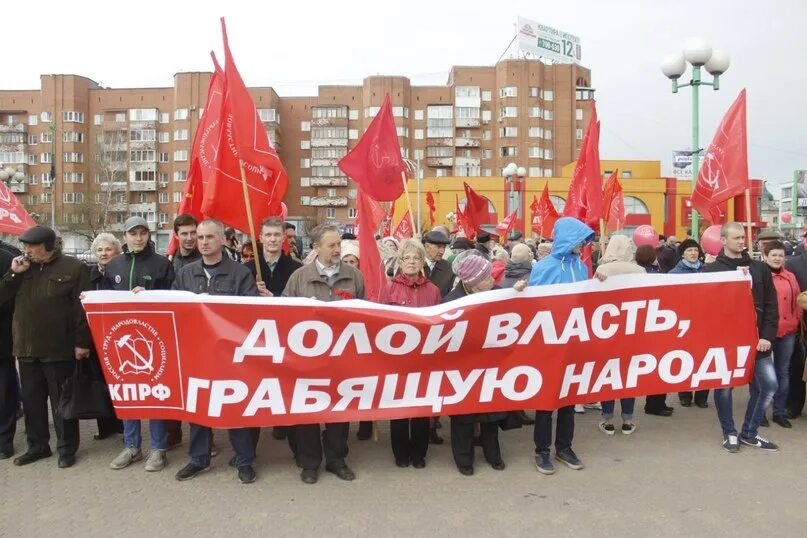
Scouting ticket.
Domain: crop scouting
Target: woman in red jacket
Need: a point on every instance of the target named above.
(410, 287)
(787, 291)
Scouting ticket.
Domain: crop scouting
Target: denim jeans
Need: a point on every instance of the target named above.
(132, 437)
(763, 387)
(241, 439)
(564, 433)
(782, 353)
(627, 405)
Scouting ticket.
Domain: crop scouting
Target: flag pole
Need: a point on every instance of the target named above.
(748, 222)
(409, 204)
(251, 222)
(603, 231)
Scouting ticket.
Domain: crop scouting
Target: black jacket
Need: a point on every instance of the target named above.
(6, 310)
(49, 320)
(146, 268)
(441, 276)
(762, 289)
(179, 261)
(515, 271)
(275, 280)
(667, 258)
(798, 266)
(232, 278)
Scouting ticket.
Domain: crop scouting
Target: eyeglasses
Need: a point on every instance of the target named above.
(411, 259)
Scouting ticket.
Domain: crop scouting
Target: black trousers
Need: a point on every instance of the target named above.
(462, 441)
(410, 438)
(174, 430)
(310, 443)
(9, 400)
(655, 403)
(42, 381)
(564, 433)
(701, 396)
(796, 395)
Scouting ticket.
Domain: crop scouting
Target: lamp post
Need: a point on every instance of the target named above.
(414, 167)
(52, 129)
(698, 53)
(514, 175)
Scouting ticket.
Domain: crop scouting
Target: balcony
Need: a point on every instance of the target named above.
(142, 186)
(116, 186)
(328, 201)
(143, 144)
(16, 128)
(329, 122)
(117, 207)
(324, 162)
(440, 142)
(329, 142)
(468, 161)
(467, 142)
(147, 207)
(440, 162)
(466, 122)
(328, 182)
(115, 126)
(15, 187)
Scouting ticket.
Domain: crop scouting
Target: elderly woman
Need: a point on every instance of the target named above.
(410, 287)
(474, 272)
(350, 252)
(105, 247)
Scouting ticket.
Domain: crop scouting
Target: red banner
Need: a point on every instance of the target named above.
(252, 361)
(14, 219)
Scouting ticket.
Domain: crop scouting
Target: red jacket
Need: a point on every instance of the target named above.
(418, 292)
(787, 290)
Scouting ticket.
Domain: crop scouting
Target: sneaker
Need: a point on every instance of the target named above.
(126, 458)
(189, 471)
(569, 458)
(760, 442)
(579, 409)
(155, 461)
(246, 474)
(628, 428)
(595, 405)
(731, 444)
(544, 464)
(607, 428)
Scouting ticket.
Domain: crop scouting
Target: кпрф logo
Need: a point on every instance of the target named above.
(134, 347)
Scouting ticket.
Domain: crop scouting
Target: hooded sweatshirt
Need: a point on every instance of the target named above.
(562, 266)
(618, 258)
(515, 271)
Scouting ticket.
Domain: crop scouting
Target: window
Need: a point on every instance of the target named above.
(578, 114)
(402, 131)
(181, 134)
(419, 115)
(548, 173)
(353, 134)
(73, 177)
(578, 134)
(487, 134)
(418, 134)
(352, 193)
(328, 153)
(163, 197)
(165, 137)
(535, 92)
(141, 198)
(46, 117)
(330, 213)
(120, 117)
(72, 136)
(441, 172)
(143, 135)
(178, 196)
(535, 112)
(547, 134)
(72, 116)
(351, 212)
(267, 114)
(326, 171)
(486, 116)
(400, 112)
(466, 91)
(144, 175)
(635, 206)
(627, 174)
(180, 175)
(33, 199)
(45, 138)
(547, 114)
(46, 197)
(33, 119)
(330, 193)
(143, 156)
(508, 132)
(181, 114)
(548, 154)
(305, 163)
(548, 95)
(120, 198)
(163, 178)
(487, 172)
(418, 154)
(439, 151)
(180, 155)
(73, 197)
(536, 153)
(371, 111)
(305, 200)
(584, 94)
(305, 126)
(33, 140)
(329, 132)
(486, 95)
(164, 157)
(305, 181)
(73, 157)
(487, 153)
(98, 119)
(439, 121)
(466, 112)
(508, 151)
(165, 117)
(32, 179)
(508, 91)
(534, 171)
(536, 132)
(13, 157)
(142, 114)
(508, 112)
(353, 115)
(31, 158)
(163, 218)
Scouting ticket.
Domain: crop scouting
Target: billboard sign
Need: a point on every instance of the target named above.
(682, 164)
(548, 42)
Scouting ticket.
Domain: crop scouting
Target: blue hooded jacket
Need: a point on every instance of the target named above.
(562, 266)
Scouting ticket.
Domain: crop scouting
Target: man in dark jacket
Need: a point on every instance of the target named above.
(667, 254)
(140, 268)
(436, 268)
(798, 392)
(185, 230)
(763, 385)
(50, 334)
(9, 390)
(217, 274)
(276, 267)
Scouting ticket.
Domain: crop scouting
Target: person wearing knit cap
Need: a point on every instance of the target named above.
(350, 252)
(690, 256)
(474, 273)
(390, 242)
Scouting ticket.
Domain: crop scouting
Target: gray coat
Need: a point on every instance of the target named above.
(232, 278)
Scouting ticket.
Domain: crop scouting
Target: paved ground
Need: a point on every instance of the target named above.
(669, 478)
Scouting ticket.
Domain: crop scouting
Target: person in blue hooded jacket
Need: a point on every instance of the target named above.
(562, 266)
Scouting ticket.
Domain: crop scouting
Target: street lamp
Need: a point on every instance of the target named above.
(514, 175)
(697, 53)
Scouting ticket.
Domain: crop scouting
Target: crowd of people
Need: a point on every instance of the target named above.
(44, 331)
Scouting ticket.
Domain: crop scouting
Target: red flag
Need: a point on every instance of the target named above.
(476, 211)
(387, 231)
(584, 201)
(404, 228)
(202, 152)
(376, 163)
(459, 217)
(546, 216)
(724, 173)
(242, 137)
(504, 227)
(534, 206)
(14, 219)
(613, 203)
(432, 207)
(370, 264)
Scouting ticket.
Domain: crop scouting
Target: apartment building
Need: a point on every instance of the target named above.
(120, 152)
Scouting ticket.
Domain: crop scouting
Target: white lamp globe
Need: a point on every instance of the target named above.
(521, 172)
(510, 169)
(673, 66)
(697, 51)
(718, 63)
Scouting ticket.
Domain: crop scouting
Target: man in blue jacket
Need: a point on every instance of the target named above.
(562, 266)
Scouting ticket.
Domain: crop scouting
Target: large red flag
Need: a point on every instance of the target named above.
(504, 227)
(202, 152)
(613, 203)
(242, 137)
(432, 207)
(370, 264)
(387, 231)
(14, 219)
(724, 173)
(584, 201)
(476, 211)
(404, 228)
(376, 163)
(546, 215)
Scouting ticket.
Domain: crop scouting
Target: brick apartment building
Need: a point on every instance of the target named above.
(120, 152)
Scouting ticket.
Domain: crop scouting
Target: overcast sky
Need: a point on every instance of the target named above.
(295, 45)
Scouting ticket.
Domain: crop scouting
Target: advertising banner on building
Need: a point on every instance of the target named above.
(548, 42)
(682, 164)
(800, 188)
